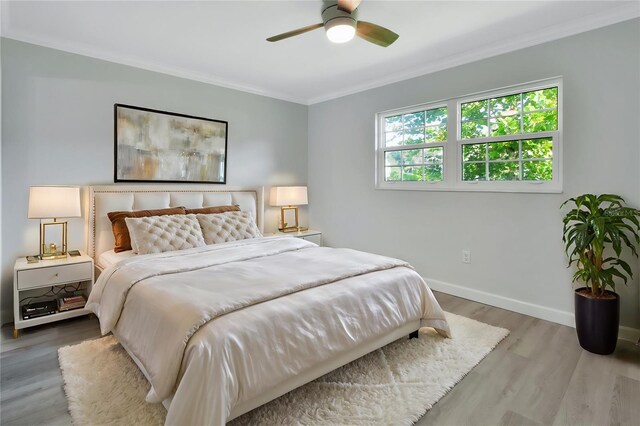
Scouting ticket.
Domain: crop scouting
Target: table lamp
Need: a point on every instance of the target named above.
(53, 202)
(289, 198)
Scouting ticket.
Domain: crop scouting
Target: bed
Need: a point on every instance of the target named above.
(222, 329)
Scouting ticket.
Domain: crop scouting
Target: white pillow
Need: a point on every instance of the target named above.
(227, 226)
(157, 234)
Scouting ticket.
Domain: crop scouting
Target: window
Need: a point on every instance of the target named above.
(413, 148)
(504, 140)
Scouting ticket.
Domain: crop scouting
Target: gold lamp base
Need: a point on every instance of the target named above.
(51, 251)
(293, 229)
(285, 228)
(53, 256)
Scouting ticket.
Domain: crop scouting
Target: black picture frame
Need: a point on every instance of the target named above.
(133, 163)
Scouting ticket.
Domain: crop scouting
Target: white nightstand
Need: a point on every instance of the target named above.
(309, 235)
(35, 279)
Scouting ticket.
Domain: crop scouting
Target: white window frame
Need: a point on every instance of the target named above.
(452, 163)
(382, 149)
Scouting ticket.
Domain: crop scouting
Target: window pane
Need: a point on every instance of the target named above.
(414, 136)
(393, 174)
(436, 133)
(475, 152)
(505, 106)
(529, 112)
(474, 129)
(537, 148)
(504, 171)
(412, 173)
(505, 125)
(433, 155)
(393, 158)
(393, 138)
(537, 170)
(392, 124)
(412, 156)
(540, 121)
(474, 171)
(504, 150)
(540, 99)
(433, 173)
(436, 116)
(474, 110)
(415, 119)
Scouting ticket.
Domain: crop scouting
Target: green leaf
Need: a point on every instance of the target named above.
(598, 227)
(612, 198)
(570, 200)
(618, 274)
(615, 240)
(628, 243)
(625, 266)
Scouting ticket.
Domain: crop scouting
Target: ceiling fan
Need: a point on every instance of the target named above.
(340, 21)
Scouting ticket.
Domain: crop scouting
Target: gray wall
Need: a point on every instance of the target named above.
(57, 128)
(514, 238)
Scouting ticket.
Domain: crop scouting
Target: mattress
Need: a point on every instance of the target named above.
(110, 258)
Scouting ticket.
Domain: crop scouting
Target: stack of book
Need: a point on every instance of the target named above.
(72, 302)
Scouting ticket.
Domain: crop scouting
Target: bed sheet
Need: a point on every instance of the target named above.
(110, 258)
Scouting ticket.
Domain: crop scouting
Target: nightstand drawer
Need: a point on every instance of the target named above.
(53, 275)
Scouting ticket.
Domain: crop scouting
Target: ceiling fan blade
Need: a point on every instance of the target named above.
(375, 34)
(295, 32)
(348, 5)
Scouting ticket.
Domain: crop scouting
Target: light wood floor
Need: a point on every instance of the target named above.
(538, 375)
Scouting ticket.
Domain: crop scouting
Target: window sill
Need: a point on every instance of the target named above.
(532, 188)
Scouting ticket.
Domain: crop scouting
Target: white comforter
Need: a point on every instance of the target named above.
(196, 322)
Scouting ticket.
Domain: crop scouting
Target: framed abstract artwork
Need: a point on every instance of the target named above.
(161, 146)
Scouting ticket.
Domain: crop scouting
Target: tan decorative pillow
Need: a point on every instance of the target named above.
(157, 234)
(119, 226)
(229, 226)
(213, 209)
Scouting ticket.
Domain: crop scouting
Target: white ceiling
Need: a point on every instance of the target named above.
(223, 42)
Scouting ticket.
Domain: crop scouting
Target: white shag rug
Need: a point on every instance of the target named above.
(396, 384)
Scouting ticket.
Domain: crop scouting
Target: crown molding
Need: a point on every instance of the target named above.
(547, 34)
(554, 32)
(149, 66)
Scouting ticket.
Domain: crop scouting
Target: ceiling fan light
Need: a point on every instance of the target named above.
(340, 30)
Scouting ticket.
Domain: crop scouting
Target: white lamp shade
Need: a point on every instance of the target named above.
(53, 202)
(289, 196)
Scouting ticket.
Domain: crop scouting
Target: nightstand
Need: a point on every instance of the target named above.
(31, 280)
(309, 235)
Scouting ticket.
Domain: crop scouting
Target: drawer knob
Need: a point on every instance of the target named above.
(56, 274)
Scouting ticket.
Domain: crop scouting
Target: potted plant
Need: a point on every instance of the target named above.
(596, 224)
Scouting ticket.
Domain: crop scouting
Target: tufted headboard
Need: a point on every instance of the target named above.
(105, 199)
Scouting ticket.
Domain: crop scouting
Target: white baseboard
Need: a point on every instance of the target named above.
(533, 310)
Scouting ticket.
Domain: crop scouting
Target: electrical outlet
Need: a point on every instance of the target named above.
(466, 256)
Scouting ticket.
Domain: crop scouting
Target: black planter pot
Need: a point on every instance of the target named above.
(597, 322)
